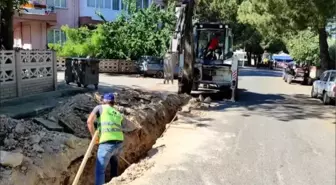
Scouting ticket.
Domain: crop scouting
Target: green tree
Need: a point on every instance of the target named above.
(7, 10)
(332, 51)
(79, 43)
(304, 46)
(217, 10)
(144, 32)
(245, 35)
(279, 18)
(140, 32)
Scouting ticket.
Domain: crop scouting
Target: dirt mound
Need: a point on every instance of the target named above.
(74, 112)
(53, 158)
(148, 112)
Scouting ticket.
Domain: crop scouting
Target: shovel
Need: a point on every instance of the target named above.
(85, 159)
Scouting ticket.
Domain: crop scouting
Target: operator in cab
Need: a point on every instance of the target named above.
(212, 46)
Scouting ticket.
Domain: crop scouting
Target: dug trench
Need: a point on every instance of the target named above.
(31, 154)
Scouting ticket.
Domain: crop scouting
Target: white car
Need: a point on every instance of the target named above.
(325, 87)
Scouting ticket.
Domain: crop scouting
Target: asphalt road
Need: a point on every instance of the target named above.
(275, 134)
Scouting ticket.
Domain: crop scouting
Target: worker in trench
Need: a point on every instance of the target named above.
(110, 128)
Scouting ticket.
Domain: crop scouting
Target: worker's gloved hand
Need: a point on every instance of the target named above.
(97, 141)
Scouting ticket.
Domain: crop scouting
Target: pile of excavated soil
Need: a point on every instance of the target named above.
(75, 111)
(53, 158)
(147, 112)
(30, 154)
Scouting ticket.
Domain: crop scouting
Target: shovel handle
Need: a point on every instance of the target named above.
(85, 159)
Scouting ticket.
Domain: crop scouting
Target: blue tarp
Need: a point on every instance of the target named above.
(282, 57)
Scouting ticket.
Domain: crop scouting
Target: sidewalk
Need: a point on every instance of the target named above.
(29, 106)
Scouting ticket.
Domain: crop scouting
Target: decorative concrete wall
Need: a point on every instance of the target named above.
(126, 66)
(60, 64)
(107, 66)
(7, 75)
(27, 72)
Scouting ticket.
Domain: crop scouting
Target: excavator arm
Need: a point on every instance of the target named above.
(182, 44)
(186, 80)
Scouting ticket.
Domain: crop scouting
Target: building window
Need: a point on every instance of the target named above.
(145, 3)
(116, 4)
(123, 5)
(57, 3)
(91, 3)
(99, 4)
(142, 3)
(56, 36)
(106, 4)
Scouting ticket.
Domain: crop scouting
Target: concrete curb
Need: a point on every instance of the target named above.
(30, 106)
(30, 112)
(46, 95)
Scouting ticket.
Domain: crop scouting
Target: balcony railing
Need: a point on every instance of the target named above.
(36, 8)
(37, 12)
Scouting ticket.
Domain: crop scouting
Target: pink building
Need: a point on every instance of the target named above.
(41, 22)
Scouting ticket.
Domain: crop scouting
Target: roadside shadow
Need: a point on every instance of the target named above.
(106, 88)
(192, 118)
(152, 152)
(131, 75)
(279, 106)
(259, 72)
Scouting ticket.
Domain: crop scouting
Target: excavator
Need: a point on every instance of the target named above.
(201, 66)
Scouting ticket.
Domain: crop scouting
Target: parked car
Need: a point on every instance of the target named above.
(152, 66)
(296, 73)
(325, 87)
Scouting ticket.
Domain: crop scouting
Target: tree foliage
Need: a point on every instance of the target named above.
(79, 43)
(277, 17)
(304, 46)
(16, 3)
(332, 50)
(245, 35)
(141, 32)
(7, 10)
(284, 18)
(217, 10)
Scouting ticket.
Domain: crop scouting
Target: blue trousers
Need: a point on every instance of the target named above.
(107, 153)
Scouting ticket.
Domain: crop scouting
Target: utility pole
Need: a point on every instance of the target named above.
(186, 82)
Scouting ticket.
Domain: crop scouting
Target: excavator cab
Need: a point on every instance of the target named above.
(211, 63)
(213, 41)
(215, 65)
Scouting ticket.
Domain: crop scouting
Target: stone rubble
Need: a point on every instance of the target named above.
(199, 103)
(207, 100)
(75, 111)
(28, 146)
(11, 159)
